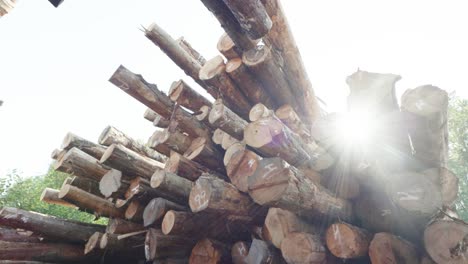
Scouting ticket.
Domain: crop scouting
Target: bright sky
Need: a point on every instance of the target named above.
(55, 63)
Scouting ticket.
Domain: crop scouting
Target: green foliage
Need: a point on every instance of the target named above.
(458, 149)
(25, 193)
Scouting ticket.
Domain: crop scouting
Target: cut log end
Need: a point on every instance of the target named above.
(227, 47)
(259, 111)
(446, 241)
(175, 90)
(346, 241)
(203, 113)
(303, 248)
(212, 68)
(93, 243)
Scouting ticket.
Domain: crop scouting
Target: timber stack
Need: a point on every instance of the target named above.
(258, 173)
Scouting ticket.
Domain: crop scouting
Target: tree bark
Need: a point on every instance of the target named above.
(158, 245)
(165, 141)
(86, 185)
(114, 184)
(185, 167)
(57, 154)
(185, 45)
(241, 164)
(78, 163)
(156, 209)
(290, 118)
(202, 116)
(225, 119)
(53, 252)
(227, 47)
(50, 196)
(204, 152)
(279, 223)
(141, 190)
(73, 141)
(49, 226)
(129, 162)
(281, 40)
(261, 252)
(272, 138)
(120, 226)
(150, 115)
(260, 62)
(276, 183)
(251, 16)
(17, 235)
(386, 248)
(134, 211)
(214, 73)
(239, 252)
(177, 54)
(133, 245)
(175, 187)
(210, 251)
(347, 241)
(190, 124)
(111, 135)
(181, 93)
(146, 93)
(89, 202)
(259, 111)
(248, 83)
(446, 239)
(300, 248)
(229, 24)
(448, 182)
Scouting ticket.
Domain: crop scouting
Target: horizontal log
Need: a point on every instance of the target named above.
(276, 183)
(112, 135)
(133, 245)
(227, 47)
(290, 118)
(53, 252)
(225, 119)
(299, 248)
(17, 235)
(185, 167)
(180, 92)
(347, 241)
(210, 251)
(120, 226)
(387, 248)
(140, 189)
(166, 140)
(204, 152)
(228, 141)
(49, 226)
(189, 124)
(129, 162)
(92, 246)
(73, 141)
(202, 116)
(78, 163)
(241, 164)
(150, 115)
(172, 185)
(251, 16)
(85, 184)
(143, 91)
(57, 154)
(156, 209)
(134, 211)
(114, 184)
(158, 245)
(89, 202)
(177, 54)
(50, 196)
(185, 45)
(448, 181)
(261, 252)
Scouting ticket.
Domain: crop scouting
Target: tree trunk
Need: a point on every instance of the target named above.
(281, 40)
(89, 202)
(150, 115)
(290, 118)
(298, 248)
(259, 111)
(241, 163)
(185, 45)
(248, 83)
(120, 226)
(111, 135)
(347, 241)
(386, 248)
(165, 141)
(251, 16)
(49, 226)
(92, 246)
(177, 54)
(223, 118)
(86, 185)
(129, 162)
(52, 252)
(73, 141)
(175, 187)
(261, 252)
(229, 24)
(57, 154)
(158, 245)
(279, 223)
(189, 124)
(134, 211)
(156, 209)
(78, 163)
(204, 152)
(209, 251)
(227, 47)
(213, 73)
(276, 183)
(181, 93)
(446, 239)
(202, 116)
(17, 235)
(185, 167)
(114, 184)
(50, 196)
(239, 252)
(146, 93)
(133, 245)
(141, 190)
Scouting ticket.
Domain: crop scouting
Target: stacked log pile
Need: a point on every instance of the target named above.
(259, 174)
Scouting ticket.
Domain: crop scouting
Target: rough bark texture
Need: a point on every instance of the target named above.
(248, 83)
(386, 248)
(203, 151)
(158, 245)
(276, 183)
(50, 196)
(214, 73)
(252, 17)
(222, 117)
(290, 118)
(85, 184)
(166, 141)
(189, 124)
(347, 241)
(129, 162)
(209, 251)
(57, 154)
(49, 226)
(181, 93)
(185, 167)
(92, 246)
(157, 208)
(73, 141)
(141, 189)
(53, 252)
(150, 115)
(184, 44)
(298, 248)
(112, 135)
(261, 252)
(227, 47)
(78, 163)
(172, 184)
(120, 226)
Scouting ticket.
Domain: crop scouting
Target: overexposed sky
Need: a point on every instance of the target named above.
(55, 63)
